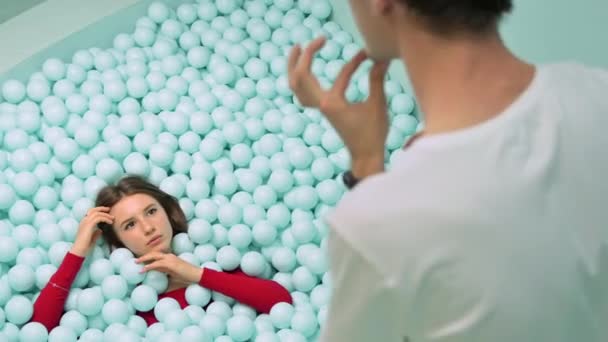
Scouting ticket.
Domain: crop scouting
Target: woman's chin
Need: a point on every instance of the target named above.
(162, 247)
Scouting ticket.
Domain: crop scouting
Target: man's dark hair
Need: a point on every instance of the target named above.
(447, 17)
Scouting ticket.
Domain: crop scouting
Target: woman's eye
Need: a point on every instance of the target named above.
(129, 225)
(152, 211)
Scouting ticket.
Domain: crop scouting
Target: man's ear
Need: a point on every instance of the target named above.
(382, 7)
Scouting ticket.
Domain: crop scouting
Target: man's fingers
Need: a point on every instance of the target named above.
(294, 56)
(376, 79)
(343, 79)
(305, 62)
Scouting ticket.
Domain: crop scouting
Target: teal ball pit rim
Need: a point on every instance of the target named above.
(29, 46)
(88, 27)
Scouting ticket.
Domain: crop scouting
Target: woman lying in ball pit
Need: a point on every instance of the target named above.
(137, 215)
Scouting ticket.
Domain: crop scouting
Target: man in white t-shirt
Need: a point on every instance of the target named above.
(492, 225)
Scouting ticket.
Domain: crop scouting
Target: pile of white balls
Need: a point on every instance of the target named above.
(196, 99)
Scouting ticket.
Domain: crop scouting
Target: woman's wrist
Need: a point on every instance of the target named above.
(197, 274)
(79, 251)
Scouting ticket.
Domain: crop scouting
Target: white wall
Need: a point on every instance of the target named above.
(58, 28)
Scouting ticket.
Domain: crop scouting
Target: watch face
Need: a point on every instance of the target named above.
(349, 180)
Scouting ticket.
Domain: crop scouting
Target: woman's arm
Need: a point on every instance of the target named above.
(49, 305)
(260, 294)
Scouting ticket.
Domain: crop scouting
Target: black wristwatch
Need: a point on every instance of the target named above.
(349, 179)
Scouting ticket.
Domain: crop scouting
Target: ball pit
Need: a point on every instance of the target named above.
(196, 99)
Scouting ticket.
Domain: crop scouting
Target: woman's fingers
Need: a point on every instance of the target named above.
(104, 219)
(101, 217)
(150, 257)
(156, 266)
(100, 214)
(98, 209)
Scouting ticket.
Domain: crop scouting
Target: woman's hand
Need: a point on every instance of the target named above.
(362, 126)
(175, 267)
(88, 232)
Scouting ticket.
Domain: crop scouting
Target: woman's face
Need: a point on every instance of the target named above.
(141, 224)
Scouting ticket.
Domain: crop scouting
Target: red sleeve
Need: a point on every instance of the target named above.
(49, 305)
(260, 294)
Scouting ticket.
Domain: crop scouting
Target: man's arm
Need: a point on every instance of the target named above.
(362, 308)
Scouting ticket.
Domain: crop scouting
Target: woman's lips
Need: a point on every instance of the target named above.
(155, 240)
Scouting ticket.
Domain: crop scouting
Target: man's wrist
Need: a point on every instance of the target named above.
(365, 167)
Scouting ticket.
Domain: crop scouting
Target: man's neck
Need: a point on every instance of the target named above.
(461, 83)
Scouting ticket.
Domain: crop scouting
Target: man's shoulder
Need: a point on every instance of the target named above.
(574, 76)
(571, 67)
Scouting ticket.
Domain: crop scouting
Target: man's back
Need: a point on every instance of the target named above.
(494, 233)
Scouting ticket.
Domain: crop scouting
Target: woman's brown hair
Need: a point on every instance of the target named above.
(109, 195)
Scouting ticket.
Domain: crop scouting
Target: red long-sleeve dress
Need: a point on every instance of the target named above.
(260, 294)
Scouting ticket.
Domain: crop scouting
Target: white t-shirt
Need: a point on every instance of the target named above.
(495, 233)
